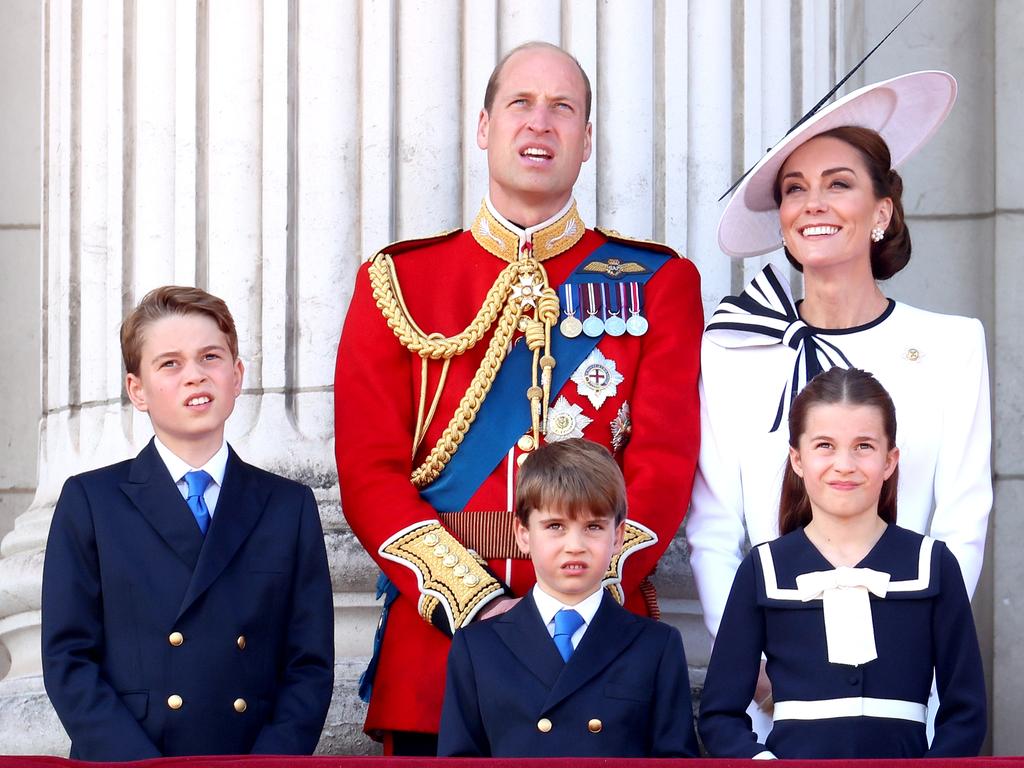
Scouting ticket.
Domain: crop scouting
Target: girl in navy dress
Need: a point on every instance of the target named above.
(853, 613)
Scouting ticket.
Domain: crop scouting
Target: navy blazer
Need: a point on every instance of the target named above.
(625, 692)
(158, 641)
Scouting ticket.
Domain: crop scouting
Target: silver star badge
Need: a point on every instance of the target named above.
(596, 378)
(565, 420)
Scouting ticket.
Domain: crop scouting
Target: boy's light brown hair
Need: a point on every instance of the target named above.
(172, 300)
(576, 477)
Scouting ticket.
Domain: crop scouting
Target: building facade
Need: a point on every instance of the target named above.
(262, 149)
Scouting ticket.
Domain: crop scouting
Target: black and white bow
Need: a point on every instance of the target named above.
(765, 314)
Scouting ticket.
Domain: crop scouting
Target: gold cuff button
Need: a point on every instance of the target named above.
(526, 443)
(470, 579)
(430, 539)
(241, 642)
(544, 725)
(240, 705)
(175, 639)
(174, 701)
(460, 570)
(521, 458)
(440, 550)
(594, 726)
(450, 560)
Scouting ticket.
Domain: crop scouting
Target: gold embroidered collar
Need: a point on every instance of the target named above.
(505, 240)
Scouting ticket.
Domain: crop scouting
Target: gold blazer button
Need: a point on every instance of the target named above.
(240, 705)
(241, 642)
(594, 726)
(543, 725)
(175, 639)
(174, 701)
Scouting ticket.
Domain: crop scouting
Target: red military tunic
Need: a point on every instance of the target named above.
(443, 283)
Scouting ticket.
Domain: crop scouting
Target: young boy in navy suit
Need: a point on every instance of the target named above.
(187, 605)
(568, 672)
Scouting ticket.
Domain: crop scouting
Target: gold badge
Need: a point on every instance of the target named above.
(615, 268)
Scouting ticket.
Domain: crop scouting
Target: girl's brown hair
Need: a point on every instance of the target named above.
(846, 386)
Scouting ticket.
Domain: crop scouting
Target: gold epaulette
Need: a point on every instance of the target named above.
(647, 245)
(454, 583)
(402, 246)
(635, 538)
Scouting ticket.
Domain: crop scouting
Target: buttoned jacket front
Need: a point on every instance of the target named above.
(623, 693)
(159, 642)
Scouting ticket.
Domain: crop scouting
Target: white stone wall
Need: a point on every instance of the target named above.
(263, 149)
(19, 258)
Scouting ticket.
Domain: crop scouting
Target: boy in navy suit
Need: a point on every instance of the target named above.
(568, 672)
(187, 605)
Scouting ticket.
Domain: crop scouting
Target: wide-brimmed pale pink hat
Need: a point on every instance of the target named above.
(906, 111)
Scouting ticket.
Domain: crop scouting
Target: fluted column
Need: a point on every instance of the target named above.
(263, 148)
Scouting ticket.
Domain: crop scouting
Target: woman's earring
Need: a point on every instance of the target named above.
(877, 235)
(784, 245)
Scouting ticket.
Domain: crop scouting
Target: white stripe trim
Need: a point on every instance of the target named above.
(924, 573)
(771, 586)
(854, 706)
(924, 570)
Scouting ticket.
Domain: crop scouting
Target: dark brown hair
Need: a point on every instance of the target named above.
(492, 81)
(891, 254)
(577, 477)
(847, 386)
(172, 300)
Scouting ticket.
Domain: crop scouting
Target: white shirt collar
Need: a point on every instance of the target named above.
(527, 234)
(215, 467)
(549, 606)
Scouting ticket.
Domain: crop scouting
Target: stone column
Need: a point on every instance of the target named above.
(1008, 529)
(263, 149)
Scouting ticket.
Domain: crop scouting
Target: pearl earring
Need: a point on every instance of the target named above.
(784, 243)
(877, 235)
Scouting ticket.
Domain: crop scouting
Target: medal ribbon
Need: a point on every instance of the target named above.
(570, 300)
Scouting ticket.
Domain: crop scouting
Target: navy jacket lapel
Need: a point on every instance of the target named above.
(523, 631)
(612, 630)
(239, 507)
(153, 492)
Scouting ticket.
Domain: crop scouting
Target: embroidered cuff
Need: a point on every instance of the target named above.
(635, 538)
(454, 583)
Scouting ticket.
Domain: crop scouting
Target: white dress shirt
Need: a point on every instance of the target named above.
(178, 467)
(549, 606)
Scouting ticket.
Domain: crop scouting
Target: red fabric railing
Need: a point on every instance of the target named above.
(267, 761)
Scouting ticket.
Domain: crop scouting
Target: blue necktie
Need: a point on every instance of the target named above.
(566, 624)
(197, 482)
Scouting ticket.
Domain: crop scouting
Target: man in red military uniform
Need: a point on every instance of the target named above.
(461, 352)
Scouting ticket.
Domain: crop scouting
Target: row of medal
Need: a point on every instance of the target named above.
(596, 308)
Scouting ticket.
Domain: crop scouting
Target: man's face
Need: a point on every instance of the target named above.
(536, 135)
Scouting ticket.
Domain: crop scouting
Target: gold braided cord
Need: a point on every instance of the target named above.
(388, 295)
(470, 404)
(507, 302)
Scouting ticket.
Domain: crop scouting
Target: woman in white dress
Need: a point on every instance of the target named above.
(828, 193)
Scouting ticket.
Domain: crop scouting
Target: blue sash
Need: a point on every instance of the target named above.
(504, 415)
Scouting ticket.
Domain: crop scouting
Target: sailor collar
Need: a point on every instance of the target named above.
(499, 236)
(908, 558)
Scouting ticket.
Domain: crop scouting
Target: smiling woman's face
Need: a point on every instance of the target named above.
(828, 205)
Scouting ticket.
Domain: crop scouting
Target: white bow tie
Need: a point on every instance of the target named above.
(849, 629)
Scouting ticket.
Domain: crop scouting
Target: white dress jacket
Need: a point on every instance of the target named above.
(934, 367)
